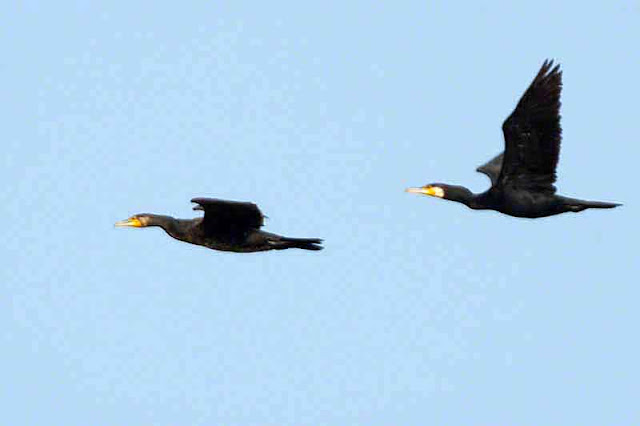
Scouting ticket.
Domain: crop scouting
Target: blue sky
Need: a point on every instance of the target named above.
(417, 312)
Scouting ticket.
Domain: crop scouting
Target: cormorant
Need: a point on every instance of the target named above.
(522, 176)
(226, 226)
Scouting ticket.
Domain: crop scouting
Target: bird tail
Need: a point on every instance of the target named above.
(579, 205)
(301, 243)
(601, 205)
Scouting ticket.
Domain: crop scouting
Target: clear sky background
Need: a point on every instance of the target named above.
(418, 312)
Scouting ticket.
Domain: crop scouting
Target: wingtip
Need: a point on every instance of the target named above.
(198, 207)
(551, 67)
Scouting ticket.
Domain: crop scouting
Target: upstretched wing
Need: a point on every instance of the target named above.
(532, 134)
(492, 168)
(228, 217)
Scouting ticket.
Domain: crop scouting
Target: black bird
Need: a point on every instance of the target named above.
(226, 226)
(522, 176)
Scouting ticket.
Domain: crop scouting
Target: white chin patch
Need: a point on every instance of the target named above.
(438, 192)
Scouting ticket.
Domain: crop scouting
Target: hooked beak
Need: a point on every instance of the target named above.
(434, 191)
(132, 221)
(416, 190)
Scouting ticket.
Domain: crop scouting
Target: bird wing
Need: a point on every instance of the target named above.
(228, 217)
(492, 168)
(532, 134)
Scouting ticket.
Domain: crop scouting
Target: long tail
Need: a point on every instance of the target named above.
(301, 243)
(579, 205)
(601, 205)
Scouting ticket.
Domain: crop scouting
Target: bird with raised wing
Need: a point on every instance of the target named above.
(226, 226)
(522, 177)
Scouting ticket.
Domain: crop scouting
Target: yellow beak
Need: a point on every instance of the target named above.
(132, 221)
(434, 191)
(416, 190)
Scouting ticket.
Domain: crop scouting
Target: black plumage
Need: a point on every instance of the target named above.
(226, 226)
(522, 177)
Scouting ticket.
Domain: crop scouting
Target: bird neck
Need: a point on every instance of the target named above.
(460, 194)
(180, 229)
(167, 223)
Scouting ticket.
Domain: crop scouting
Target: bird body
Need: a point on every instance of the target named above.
(530, 204)
(522, 177)
(517, 203)
(226, 226)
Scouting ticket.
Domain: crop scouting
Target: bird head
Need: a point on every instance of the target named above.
(446, 191)
(433, 189)
(136, 221)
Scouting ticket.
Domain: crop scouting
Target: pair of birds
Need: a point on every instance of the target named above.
(522, 179)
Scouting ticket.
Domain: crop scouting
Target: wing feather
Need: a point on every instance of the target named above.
(532, 134)
(228, 217)
(492, 168)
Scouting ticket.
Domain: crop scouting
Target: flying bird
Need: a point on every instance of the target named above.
(522, 177)
(226, 226)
